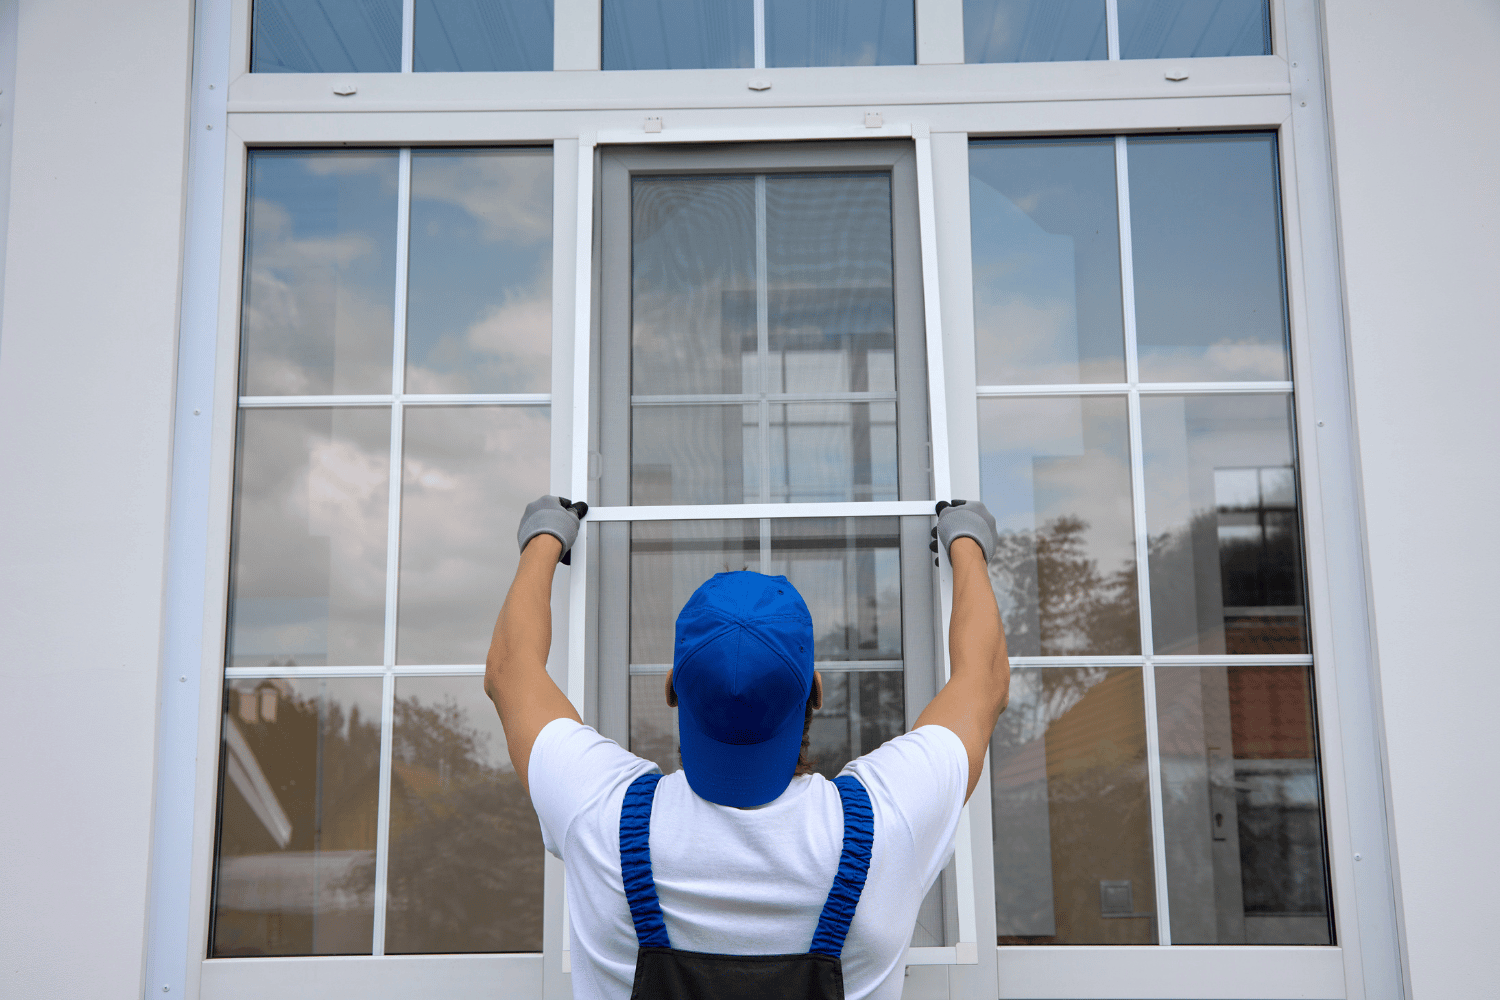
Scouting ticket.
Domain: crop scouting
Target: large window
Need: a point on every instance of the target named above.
(1156, 777)
(394, 377)
(763, 320)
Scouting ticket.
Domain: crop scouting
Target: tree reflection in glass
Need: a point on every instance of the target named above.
(465, 870)
(1056, 474)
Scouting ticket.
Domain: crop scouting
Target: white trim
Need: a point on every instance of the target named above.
(1150, 972)
(372, 670)
(737, 511)
(760, 34)
(408, 34)
(401, 398)
(1121, 388)
(452, 977)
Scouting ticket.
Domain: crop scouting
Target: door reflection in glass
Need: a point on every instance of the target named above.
(1221, 509)
(297, 815)
(1243, 805)
(1072, 809)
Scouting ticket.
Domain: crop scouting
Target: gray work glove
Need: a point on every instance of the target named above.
(555, 516)
(962, 519)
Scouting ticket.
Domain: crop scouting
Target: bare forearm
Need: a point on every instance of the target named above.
(515, 673)
(979, 680)
(523, 631)
(976, 638)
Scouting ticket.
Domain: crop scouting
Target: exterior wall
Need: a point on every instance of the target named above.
(1412, 102)
(87, 358)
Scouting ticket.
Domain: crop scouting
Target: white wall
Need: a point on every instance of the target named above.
(1417, 141)
(87, 354)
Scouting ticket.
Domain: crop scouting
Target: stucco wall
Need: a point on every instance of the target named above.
(1413, 90)
(86, 373)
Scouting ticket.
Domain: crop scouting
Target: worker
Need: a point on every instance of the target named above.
(745, 874)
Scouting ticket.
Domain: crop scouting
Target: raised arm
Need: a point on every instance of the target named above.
(979, 684)
(515, 672)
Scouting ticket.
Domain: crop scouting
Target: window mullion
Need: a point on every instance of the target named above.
(760, 34)
(408, 33)
(1111, 27)
(1142, 548)
(393, 547)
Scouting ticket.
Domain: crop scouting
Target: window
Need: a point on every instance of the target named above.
(710, 34)
(762, 352)
(723, 332)
(1155, 779)
(1066, 30)
(394, 378)
(385, 36)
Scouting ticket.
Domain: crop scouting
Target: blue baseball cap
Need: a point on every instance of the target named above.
(742, 668)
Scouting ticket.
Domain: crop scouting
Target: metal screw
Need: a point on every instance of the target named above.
(1304, 104)
(195, 413)
(210, 128)
(1320, 423)
(1358, 857)
(182, 679)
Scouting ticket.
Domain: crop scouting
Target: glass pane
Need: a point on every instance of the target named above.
(806, 452)
(331, 36)
(297, 804)
(861, 710)
(1175, 29)
(831, 317)
(1072, 809)
(479, 294)
(653, 725)
(461, 466)
(307, 586)
(1246, 858)
(1045, 232)
(848, 570)
(693, 301)
(678, 34)
(827, 452)
(1055, 472)
(1205, 221)
(668, 561)
(465, 869)
(466, 35)
(1034, 31)
(320, 273)
(694, 454)
(1221, 509)
(841, 33)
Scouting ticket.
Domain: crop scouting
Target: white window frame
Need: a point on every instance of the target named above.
(233, 111)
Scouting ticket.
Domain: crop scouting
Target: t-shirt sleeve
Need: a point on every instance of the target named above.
(572, 768)
(918, 781)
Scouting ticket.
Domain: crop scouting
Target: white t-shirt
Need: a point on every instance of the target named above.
(746, 881)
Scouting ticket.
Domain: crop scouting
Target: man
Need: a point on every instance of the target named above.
(742, 850)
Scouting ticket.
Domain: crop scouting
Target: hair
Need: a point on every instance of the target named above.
(804, 756)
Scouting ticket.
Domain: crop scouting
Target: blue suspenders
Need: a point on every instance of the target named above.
(838, 911)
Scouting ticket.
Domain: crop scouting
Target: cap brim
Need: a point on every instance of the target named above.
(734, 774)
